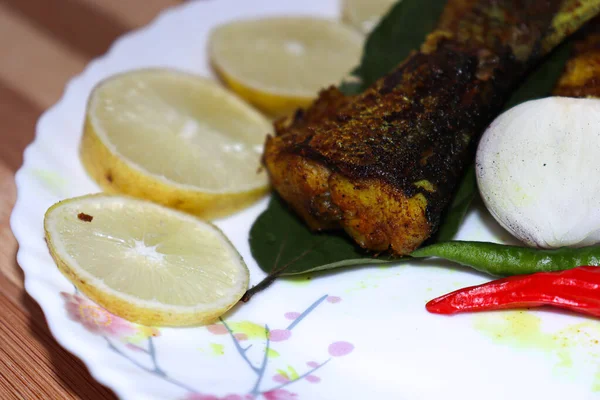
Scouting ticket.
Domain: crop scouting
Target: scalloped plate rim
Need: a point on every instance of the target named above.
(99, 371)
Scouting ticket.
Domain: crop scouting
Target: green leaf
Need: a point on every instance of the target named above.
(401, 31)
(540, 82)
(281, 243)
(457, 210)
(351, 88)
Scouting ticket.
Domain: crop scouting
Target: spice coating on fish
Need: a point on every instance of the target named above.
(581, 77)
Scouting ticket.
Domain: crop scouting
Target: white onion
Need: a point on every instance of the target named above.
(538, 171)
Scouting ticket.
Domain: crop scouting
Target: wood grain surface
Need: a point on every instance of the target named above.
(43, 44)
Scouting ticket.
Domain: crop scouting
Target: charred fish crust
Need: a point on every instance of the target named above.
(391, 81)
(443, 111)
(519, 24)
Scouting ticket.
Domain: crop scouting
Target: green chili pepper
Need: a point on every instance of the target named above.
(498, 259)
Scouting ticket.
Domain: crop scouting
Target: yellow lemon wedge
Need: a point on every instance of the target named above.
(280, 64)
(176, 139)
(364, 15)
(144, 262)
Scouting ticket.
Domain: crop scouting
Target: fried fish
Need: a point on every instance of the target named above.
(383, 165)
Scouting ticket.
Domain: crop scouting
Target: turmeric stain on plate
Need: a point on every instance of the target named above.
(372, 279)
(300, 280)
(52, 181)
(361, 285)
(573, 347)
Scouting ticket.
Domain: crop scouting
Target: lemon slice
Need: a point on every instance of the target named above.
(176, 139)
(364, 15)
(280, 64)
(144, 262)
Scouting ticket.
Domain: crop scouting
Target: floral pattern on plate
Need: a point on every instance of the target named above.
(139, 338)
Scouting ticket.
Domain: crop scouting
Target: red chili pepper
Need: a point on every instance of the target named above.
(577, 289)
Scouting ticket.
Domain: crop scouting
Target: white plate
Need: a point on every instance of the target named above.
(352, 334)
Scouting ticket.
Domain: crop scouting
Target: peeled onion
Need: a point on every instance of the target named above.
(538, 171)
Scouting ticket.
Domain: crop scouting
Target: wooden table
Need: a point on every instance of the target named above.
(43, 43)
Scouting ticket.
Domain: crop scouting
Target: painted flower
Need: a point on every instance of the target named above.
(292, 315)
(240, 336)
(280, 394)
(99, 321)
(199, 396)
(135, 347)
(280, 378)
(279, 335)
(340, 349)
(217, 329)
(334, 299)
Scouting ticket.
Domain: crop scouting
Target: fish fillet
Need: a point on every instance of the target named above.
(383, 165)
